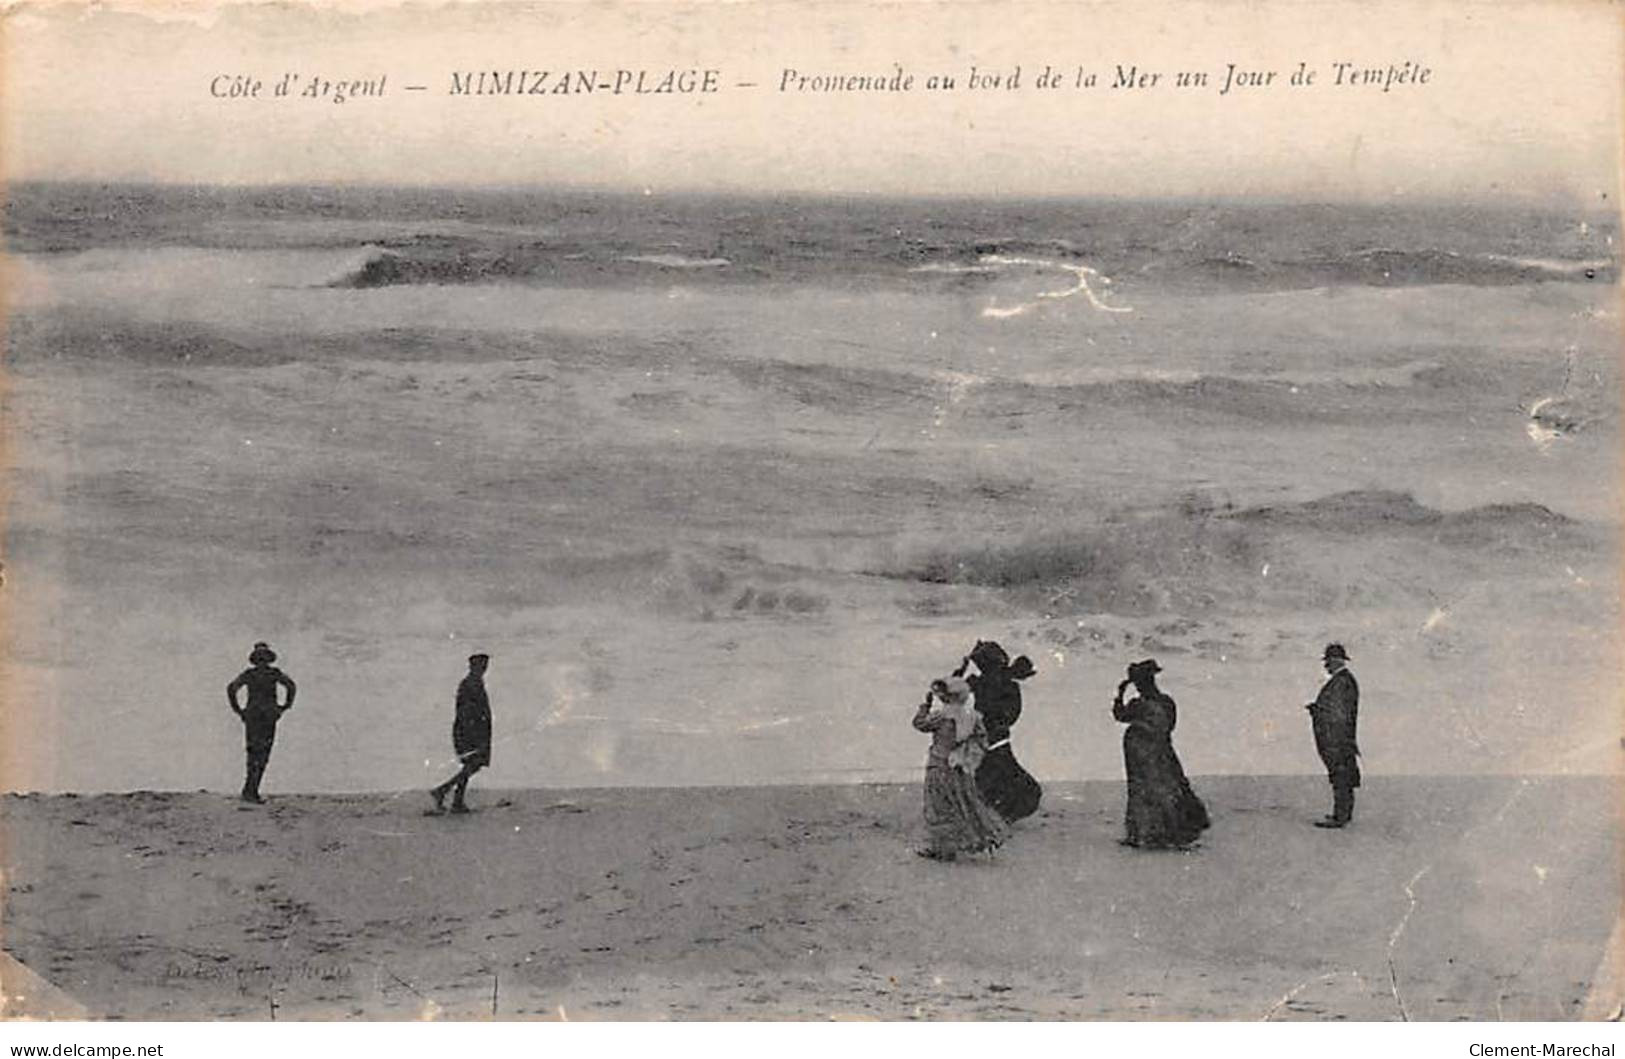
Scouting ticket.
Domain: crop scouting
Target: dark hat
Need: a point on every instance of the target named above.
(1335, 650)
(478, 658)
(987, 654)
(261, 653)
(1147, 667)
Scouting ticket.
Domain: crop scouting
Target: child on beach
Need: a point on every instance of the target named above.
(956, 817)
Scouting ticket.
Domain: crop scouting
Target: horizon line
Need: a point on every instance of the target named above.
(1556, 201)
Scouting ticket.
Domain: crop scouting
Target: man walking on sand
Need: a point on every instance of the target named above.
(261, 714)
(470, 734)
(1333, 714)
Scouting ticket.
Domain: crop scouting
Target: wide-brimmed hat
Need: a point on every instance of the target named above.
(1335, 650)
(1146, 668)
(261, 653)
(478, 657)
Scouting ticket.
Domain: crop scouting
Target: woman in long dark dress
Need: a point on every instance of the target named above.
(1003, 783)
(1163, 812)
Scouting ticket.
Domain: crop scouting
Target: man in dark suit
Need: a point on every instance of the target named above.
(1334, 713)
(470, 734)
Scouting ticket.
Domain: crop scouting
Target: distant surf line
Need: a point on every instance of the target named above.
(1081, 274)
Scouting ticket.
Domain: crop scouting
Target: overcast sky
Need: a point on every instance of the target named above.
(1521, 101)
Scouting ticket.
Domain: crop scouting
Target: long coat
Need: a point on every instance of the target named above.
(1003, 783)
(1334, 713)
(471, 731)
(1162, 809)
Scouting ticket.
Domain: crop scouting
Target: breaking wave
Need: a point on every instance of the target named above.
(677, 261)
(441, 261)
(445, 236)
(1195, 556)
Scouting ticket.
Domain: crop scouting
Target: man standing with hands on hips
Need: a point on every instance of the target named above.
(1333, 714)
(261, 713)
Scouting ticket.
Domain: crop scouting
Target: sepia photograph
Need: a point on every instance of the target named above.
(1002, 510)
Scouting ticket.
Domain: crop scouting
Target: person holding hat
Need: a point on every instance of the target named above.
(956, 818)
(1162, 812)
(470, 735)
(1333, 714)
(1003, 783)
(261, 713)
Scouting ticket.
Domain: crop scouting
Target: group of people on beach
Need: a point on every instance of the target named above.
(975, 789)
(974, 786)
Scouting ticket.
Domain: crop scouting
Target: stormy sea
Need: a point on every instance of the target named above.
(721, 483)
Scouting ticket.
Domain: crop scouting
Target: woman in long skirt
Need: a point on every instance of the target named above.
(1163, 812)
(957, 819)
(1005, 785)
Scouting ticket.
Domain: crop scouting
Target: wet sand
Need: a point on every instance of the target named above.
(1451, 898)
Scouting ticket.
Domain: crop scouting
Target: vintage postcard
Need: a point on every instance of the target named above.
(761, 510)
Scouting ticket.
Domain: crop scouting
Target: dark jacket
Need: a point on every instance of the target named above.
(1334, 713)
(261, 682)
(261, 713)
(998, 700)
(1002, 782)
(1150, 716)
(471, 731)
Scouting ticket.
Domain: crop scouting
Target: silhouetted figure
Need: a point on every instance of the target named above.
(1334, 713)
(1163, 812)
(470, 734)
(957, 820)
(261, 714)
(1003, 783)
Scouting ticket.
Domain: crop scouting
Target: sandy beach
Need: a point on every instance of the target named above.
(720, 485)
(1451, 898)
